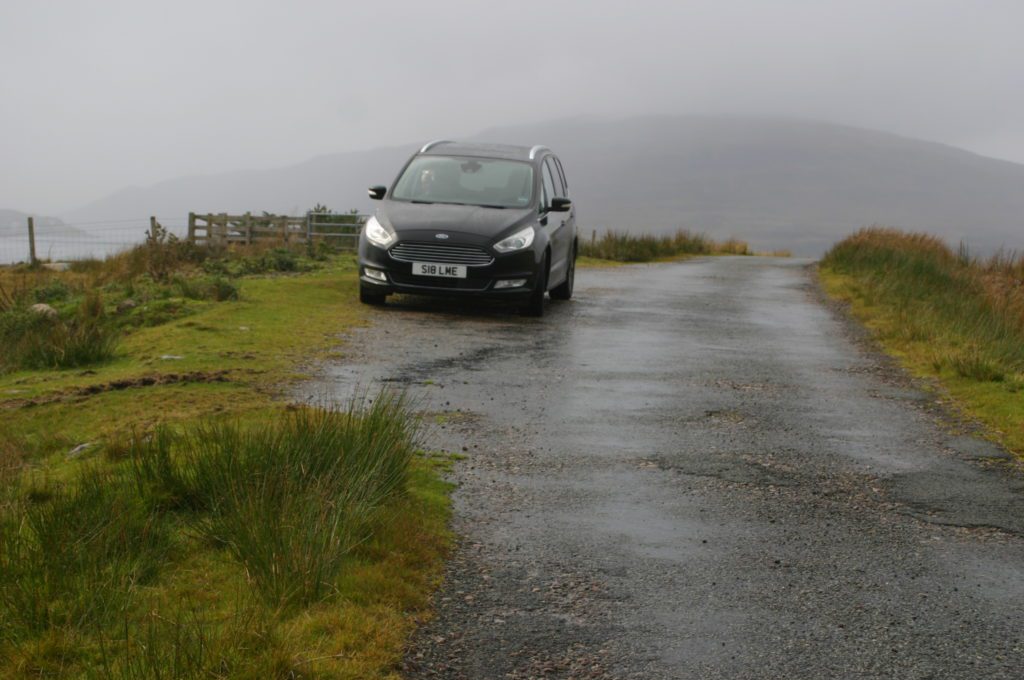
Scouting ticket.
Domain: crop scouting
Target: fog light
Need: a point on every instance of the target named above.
(375, 274)
(509, 283)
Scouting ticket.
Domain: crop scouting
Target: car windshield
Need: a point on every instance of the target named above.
(466, 181)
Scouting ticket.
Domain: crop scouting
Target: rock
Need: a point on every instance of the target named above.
(57, 266)
(171, 357)
(78, 450)
(126, 305)
(44, 310)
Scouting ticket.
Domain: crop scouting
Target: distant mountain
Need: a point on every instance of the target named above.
(15, 223)
(778, 183)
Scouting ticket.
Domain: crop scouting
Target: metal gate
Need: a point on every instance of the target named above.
(338, 230)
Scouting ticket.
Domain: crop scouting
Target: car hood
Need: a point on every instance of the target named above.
(467, 223)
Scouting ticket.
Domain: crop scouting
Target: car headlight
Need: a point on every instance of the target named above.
(517, 241)
(378, 234)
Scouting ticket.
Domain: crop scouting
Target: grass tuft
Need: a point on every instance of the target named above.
(36, 341)
(73, 557)
(288, 499)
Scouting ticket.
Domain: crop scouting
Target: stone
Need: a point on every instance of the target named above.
(44, 310)
(126, 305)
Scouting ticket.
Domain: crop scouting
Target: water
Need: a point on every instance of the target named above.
(94, 242)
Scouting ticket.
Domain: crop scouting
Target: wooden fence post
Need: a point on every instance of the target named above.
(32, 241)
(309, 232)
(152, 227)
(192, 228)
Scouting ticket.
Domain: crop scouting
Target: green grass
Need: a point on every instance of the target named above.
(288, 498)
(70, 556)
(35, 341)
(209, 530)
(944, 315)
(625, 247)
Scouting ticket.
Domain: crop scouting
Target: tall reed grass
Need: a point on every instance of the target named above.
(186, 644)
(74, 558)
(626, 247)
(967, 312)
(290, 498)
(29, 340)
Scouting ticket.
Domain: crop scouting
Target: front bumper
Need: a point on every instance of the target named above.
(479, 281)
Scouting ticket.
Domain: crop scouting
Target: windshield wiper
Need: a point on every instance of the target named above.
(485, 205)
(423, 202)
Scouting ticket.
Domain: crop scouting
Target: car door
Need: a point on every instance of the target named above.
(570, 217)
(555, 223)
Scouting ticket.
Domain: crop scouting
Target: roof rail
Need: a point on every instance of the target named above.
(537, 149)
(428, 145)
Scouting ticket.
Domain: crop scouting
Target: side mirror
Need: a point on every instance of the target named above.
(377, 192)
(559, 204)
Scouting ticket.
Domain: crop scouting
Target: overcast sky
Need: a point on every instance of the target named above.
(99, 95)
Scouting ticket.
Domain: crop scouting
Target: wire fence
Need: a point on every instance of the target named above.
(61, 242)
(57, 241)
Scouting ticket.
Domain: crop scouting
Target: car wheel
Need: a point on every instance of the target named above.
(371, 297)
(563, 291)
(535, 306)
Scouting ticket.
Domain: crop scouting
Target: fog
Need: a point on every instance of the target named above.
(102, 95)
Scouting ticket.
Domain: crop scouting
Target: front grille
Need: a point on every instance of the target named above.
(471, 256)
(438, 282)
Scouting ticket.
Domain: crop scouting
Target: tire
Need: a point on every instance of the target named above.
(370, 297)
(563, 291)
(535, 306)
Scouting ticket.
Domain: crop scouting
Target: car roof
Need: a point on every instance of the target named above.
(480, 150)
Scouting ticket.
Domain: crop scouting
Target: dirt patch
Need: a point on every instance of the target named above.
(80, 393)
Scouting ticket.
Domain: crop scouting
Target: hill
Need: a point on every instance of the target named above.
(15, 223)
(776, 183)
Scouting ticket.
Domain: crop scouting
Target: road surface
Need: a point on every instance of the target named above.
(697, 470)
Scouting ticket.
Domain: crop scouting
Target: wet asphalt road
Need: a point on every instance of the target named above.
(697, 470)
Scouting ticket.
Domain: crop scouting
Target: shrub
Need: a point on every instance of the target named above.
(52, 291)
(214, 288)
(280, 260)
(160, 257)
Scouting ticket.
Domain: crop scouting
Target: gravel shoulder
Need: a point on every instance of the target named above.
(696, 470)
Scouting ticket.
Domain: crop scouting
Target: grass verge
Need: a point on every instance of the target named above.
(944, 315)
(164, 514)
(623, 247)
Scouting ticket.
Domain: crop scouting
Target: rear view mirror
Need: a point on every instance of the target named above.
(377, 192)
(559, 204)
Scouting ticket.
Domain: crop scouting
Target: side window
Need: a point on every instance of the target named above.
(549, 186)
(561, 173)
(550, 166)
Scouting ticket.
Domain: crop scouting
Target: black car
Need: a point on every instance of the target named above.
(472, 220)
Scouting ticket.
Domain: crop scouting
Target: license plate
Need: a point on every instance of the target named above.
(449, 271)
